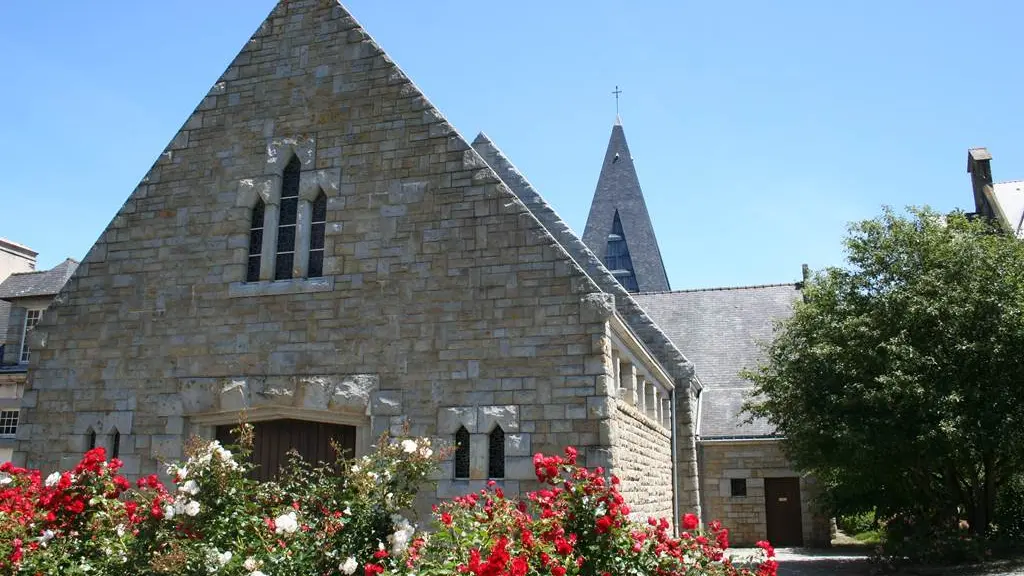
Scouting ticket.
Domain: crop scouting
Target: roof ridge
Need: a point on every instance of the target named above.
(62, 262)
(795, 284)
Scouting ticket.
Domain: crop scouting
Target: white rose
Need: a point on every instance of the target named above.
(179, 506)
(409, 446)
(168, 511)
(224, 557)
(257, 573)
(250, 564)
(190, 487)
(347, 511)
(192, 508)
(349, 566)
(427, 452)
(286, 523)
(52, 479)
(6, 480)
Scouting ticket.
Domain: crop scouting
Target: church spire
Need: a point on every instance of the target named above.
(619, 229)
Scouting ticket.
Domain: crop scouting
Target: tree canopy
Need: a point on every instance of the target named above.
(899, 379)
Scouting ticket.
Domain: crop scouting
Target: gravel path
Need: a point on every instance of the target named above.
(842, 562)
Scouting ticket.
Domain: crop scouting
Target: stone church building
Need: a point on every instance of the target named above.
(319, 249)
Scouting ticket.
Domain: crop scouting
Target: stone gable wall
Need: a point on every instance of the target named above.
(440, 290)
(744, 516)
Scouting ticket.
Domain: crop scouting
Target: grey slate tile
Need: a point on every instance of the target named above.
(719, 330)
(38, 283)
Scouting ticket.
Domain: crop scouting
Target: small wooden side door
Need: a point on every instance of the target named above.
(782, 511)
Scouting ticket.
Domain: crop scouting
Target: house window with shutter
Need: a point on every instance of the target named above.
(9, 423)
(31, 319)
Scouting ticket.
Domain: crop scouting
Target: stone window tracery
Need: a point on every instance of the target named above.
(288, 221)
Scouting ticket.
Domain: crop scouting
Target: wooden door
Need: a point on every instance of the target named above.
(274, 438)
(782, 511)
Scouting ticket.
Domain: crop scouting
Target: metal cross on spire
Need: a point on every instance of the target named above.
(616, 92)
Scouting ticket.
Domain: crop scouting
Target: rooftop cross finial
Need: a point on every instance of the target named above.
(616, 92)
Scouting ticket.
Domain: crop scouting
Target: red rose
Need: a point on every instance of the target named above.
(446, 518)
(690, 521)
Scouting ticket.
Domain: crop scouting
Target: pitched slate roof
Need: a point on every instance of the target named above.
(719, 330)
(618, 193)
(659, 344)
(38, 283)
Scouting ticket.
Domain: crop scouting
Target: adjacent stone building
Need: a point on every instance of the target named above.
(999, 201)
(14, 258)
(25, 295)
(318, 249)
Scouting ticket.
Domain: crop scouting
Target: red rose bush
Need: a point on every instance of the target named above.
(210, 517)
(577, 524)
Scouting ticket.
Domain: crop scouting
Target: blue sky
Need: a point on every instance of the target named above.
(759, 129)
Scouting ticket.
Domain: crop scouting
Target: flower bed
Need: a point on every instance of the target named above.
(329, 520)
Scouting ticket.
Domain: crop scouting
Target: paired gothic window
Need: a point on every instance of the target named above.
(288, 230)
(617, 258)
(462, 453)
(495, 453)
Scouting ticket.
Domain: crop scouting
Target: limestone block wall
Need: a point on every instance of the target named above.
(439, 286)
(642, 459)
(745, 515)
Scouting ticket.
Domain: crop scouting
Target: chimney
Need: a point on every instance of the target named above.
(980, 168)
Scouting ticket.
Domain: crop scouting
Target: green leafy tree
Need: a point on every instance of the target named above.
(899, 379)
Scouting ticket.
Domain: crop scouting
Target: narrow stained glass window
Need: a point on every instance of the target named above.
(316, 237)
(462, 453)
(115, 446)
(285, 260)
(252, 273)
(92, 439)
(496, 454)
(617, 258)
